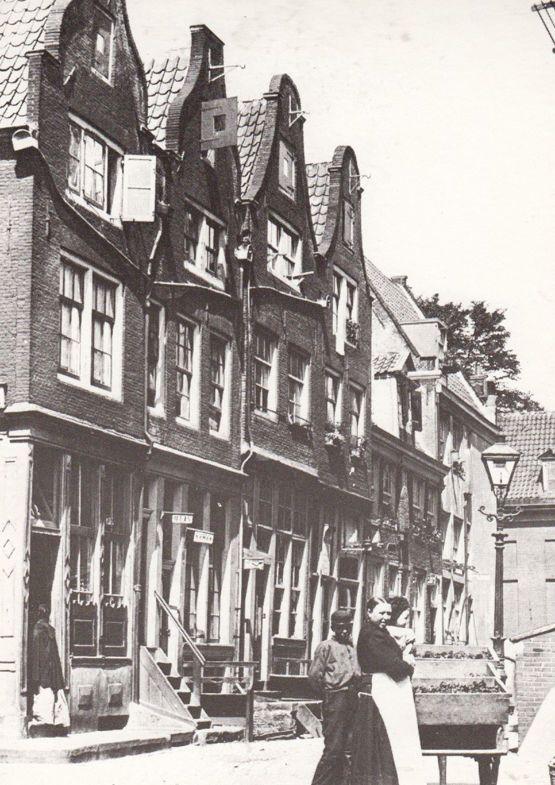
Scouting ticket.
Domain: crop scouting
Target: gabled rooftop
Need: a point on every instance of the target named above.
(22, 25)
(165, 78)
(250, 126)
(318, 182)
(394, 295)
(532, 434)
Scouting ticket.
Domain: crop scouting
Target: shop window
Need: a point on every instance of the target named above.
(46, 486)
(285, 508)
(295, 610)
(215, 559)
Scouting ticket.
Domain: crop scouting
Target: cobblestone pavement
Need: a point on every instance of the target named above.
(261, 763)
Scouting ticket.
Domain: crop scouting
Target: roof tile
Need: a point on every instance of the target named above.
(532, 434)
(250, 126)
(318, 181)
(394, 295)
(22, 24)
(164, 78)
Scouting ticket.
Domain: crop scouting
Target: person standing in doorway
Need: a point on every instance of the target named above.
(334, 672)
(47, 680)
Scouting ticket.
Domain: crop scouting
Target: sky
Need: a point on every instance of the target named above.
(450, 109)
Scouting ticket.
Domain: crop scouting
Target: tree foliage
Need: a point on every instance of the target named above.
(477, 341)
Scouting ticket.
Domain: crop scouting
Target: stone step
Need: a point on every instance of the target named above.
(165, 667)
(218, 734)
(184, 696)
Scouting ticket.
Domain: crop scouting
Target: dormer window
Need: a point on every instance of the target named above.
(348, 224)
(287, 169)
(284, 250)
(102, 36)
(547, 461)
(204, 245)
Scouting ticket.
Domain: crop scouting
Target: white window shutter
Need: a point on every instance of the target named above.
(139, 188)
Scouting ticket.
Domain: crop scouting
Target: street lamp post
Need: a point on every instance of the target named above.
(500, 461)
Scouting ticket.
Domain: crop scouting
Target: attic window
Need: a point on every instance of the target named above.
(548, 471)
(348, 223)
(287, 169)
(219, 123)
(102, 36)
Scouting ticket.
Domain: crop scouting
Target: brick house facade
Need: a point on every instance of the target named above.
(217, 419)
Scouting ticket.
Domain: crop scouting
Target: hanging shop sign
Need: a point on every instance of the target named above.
(255, 560)
(201, 536)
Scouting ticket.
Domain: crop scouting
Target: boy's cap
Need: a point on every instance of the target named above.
(342, 616)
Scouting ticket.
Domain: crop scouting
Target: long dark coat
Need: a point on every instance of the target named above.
(46, 668)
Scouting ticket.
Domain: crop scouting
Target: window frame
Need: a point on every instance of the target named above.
(157, 408)
(337, 403)
(214, 274)
(270, 366)
(354, 390)
(349, 219)
(224, 385)
(303, 415)
(83, 379)
(111, 206)
(192, 421)
(276, 253)
(287, 155)
(100, 12)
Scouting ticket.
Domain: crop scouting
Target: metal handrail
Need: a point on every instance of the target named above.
(199, 656)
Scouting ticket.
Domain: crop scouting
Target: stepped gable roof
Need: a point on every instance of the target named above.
(22, 26)
(394, 295)
(532, 434)
(250, 126)
(165, 78)
(318, 181)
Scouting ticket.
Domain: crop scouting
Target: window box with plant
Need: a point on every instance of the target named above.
(333, 436)
(352, 331)
(357, 447)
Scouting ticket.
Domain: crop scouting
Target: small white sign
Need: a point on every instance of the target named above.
(185, 518)
(202, 536)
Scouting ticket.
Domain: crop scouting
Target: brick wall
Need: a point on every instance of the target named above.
(535, 677)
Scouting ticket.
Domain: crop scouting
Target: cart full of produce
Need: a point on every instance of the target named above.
(462, 706)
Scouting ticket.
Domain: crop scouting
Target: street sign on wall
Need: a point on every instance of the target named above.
(201, 536)
(185, 518)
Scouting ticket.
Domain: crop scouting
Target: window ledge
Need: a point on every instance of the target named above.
(271, 416)
(224, 437)
(102, 78)
(72, 382)
(157, 411)
(209, 278)
(76, 199)
(288, 194)
(287, 281)
(188, 424)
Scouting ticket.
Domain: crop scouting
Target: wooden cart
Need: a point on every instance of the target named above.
(458, 721)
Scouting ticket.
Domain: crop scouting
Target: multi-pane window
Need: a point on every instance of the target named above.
(348, 223)
(387, 486)
(113, 517)
(264, 372)
(284, 249)
(218, 352)
(337, 284)
(333, 399)
(215, 557)
(102, 36)
(185, 369)
(94, 169)
(192, 229)
(418, 497)
(265, 502)
(212, 247)
(89, 315)
(71, 311)
(82, 491)
(287, 169)
(103, 317)
(356, 413)
(297, 386)
(285, 508)
(46, 488)
(155, 355)
(431, 505)
(300, 517)
(344, 310)
(351, 301)
(297, 553)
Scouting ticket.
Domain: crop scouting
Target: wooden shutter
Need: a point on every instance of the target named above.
(218, 123)
(139, 188)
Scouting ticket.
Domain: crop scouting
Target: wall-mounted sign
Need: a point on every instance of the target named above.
(201, 536)
(255, 560)
(184, 518)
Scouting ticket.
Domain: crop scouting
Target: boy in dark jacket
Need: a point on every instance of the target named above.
(334, 672)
